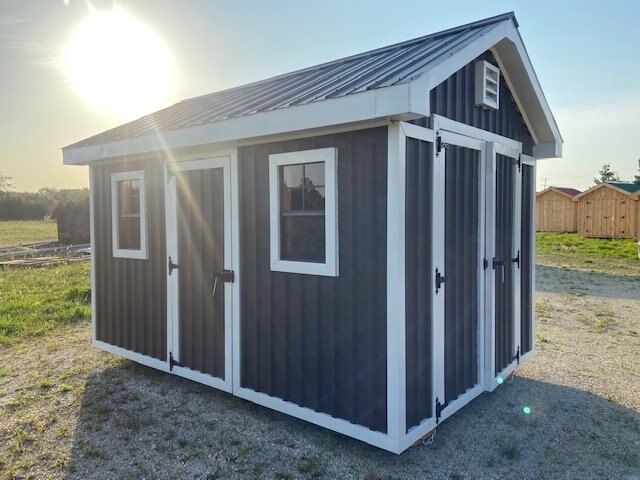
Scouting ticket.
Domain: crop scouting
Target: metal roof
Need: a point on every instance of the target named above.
(384, 67)
(626, 186)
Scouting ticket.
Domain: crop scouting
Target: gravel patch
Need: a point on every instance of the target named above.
(70, 411)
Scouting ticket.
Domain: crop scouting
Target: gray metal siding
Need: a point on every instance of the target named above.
(200, 212)
(131, 301)
(418, 281)
(455, 99)
(528, 199)
(504, 247)
(461, 264)
(319, 342)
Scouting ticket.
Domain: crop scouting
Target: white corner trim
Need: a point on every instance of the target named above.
(328, 156)
(396, 321)
(92, 240)
(142, 253)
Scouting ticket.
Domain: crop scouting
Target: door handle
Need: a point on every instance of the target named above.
(225, 276)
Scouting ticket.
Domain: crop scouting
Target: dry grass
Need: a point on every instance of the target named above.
(70, 411)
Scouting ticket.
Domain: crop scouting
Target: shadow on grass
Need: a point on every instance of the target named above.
(557, 279)
(135, 422)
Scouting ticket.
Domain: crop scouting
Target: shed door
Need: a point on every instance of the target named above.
(199, 271)
(506, 260)
(460, 166)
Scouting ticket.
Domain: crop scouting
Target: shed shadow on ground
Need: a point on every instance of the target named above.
(136, 422)
(558, 279)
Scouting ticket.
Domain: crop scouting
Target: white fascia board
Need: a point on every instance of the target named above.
(396, 102)
(547, 150)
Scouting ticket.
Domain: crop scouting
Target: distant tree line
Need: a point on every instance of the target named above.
(45, 203)
(609, 175)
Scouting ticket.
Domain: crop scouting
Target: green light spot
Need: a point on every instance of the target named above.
(526, 410)
(500, 380)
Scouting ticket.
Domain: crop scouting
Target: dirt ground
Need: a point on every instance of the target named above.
(70, 411)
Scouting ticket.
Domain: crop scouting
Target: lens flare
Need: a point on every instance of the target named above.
(526, 410)
(499, 380)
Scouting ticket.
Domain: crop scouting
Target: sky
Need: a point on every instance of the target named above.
(586, 55)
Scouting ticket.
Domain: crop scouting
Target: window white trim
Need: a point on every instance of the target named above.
(142, 252)
(329, 156)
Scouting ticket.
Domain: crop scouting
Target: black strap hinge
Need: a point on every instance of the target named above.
(439, 408)
(518, 162)
(173, 362)
(226, 276)
(516, 357)
(440, 144)
(517, 259)
(440, 279)
(170, 173)
(172, 266)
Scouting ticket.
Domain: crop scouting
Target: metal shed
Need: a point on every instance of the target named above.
(609, 210)
(556, 211)
(351, 244)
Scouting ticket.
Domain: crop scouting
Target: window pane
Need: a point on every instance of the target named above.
(291, 187)
(129, 233)
(129, 214)
(291, 175)
(314, 174)
(303, 238)
(291, 199)
(314, 199)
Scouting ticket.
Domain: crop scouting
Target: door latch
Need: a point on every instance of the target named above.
(439, 280)
(225, 276)
(172, 266)
(498, 262)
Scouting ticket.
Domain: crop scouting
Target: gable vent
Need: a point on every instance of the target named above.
(487, 85)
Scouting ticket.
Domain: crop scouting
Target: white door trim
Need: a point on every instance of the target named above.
(173, 330)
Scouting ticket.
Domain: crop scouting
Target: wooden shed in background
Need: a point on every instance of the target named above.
(555, 210)
(609, 210)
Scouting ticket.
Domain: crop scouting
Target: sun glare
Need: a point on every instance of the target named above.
(118, 64)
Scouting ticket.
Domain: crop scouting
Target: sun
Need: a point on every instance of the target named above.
(119, 65)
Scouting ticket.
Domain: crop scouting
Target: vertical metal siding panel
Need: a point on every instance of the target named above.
(528, 192)
(418, 284)
(297, 307)
(130, 291)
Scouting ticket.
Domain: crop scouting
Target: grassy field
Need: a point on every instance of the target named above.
(568, 250)
(35, 301)
(16, 232)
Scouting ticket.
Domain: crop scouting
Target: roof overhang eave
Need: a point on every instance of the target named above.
(406, 101)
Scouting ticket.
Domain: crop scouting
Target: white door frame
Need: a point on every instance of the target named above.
(173, 330)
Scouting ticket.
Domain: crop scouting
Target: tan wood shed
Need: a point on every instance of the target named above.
(609, 210)
(556, 210)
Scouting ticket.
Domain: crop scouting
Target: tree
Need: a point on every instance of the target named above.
(606, 175)
(5, 183)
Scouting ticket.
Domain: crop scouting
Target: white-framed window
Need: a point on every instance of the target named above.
(303, 201)
(129, 215)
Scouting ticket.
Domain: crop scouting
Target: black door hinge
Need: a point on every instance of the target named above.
(439, 280)
(172, 266)
(172, 362)
(516, 357)
(170, 173)
(439, 408)
(440, 144)
(517, 259)
(485, 264)
(518, 162)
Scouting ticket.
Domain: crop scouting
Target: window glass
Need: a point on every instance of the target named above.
(129, 214)
(302, 212)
